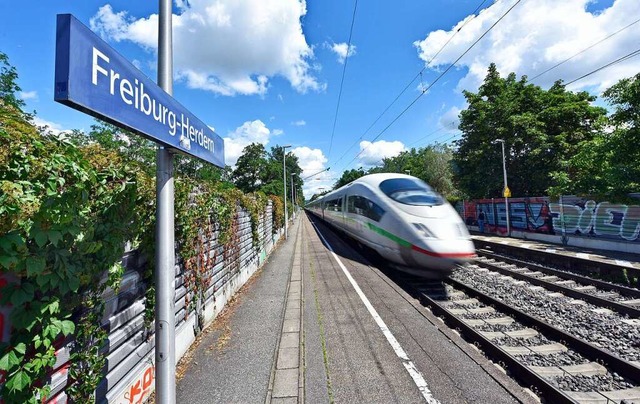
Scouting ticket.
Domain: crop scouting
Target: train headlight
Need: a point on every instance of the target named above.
(424, 230)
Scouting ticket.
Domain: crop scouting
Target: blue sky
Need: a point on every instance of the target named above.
(269, 71)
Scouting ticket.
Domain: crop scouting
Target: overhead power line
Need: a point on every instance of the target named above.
(586, 49)
(344, 69)
(437, 79)
(620, 59)
(408, 85)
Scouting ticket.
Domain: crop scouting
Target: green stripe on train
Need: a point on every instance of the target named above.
(391, 236)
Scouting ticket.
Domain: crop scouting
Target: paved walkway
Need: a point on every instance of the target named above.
(319, 324)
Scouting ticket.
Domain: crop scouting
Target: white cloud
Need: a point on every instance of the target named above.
(226, 46)
(250, 132)
(537, 35)
(450, 120)
(301, 122)
(340, 49)
(50, 127)
(28, 95)
(313, 161)
(372, 154)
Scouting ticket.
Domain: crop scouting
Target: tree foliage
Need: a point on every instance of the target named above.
(609, 165)
(432, 164)
(65, 215)
(541, 131)
(68, 205)
(349, 176)
(259, 170)
(8, 83)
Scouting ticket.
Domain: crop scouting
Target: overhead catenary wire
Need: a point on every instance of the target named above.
(620, 59)
(585, 49)
(436, 80)
(344, 69)
(407, 86)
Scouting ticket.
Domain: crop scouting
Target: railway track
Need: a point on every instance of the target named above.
(615, 297)
(520, 325)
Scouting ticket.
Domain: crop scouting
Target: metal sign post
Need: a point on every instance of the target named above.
(165, 230)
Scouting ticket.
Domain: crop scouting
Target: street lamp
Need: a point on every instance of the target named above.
(284, 180)
(506, 191)
(293, 201)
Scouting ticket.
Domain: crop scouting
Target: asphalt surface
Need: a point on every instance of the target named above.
(404, 355)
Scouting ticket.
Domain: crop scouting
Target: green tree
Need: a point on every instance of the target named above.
(432, 164)
(541, 130)
(609, 165)
(250, 168)
(272, 183)
(8, 83)
(348, 176)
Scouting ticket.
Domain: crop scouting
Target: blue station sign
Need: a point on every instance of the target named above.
(95, 79)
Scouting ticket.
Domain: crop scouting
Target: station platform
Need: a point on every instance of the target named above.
(318, 324)
(630, 260)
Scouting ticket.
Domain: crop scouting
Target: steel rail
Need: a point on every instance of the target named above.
(622, 290)
(587, 349)
(518, 369)
(576, 294)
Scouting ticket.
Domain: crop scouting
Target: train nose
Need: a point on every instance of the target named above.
(444, 254)
(443, 230)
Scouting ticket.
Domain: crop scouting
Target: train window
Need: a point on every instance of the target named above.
(335, 205)
(364, 207)
(410, 192)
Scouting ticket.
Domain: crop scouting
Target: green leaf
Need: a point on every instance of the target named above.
(74, 284)
(22, 294)
(41, 238)
(68, 327)
(54, 307)
(9, 360)
(55, 236)
(21, 348)
(7, 261)
(18, 381)
(35, 265)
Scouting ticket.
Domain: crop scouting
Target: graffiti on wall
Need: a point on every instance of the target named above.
(138, 391)
(574, 216)
(602, 219)
(526, 214)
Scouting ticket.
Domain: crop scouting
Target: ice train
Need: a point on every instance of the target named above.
(403, 219)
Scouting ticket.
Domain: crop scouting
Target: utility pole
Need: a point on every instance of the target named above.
(284, 180)
(293, 201)
(506, 191)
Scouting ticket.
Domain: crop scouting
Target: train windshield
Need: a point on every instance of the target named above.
(410, 192)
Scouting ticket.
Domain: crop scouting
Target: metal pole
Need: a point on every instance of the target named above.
(165, 354)
(293, 201)
(506, 199)
(284, 179)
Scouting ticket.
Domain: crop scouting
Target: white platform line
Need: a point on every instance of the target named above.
(408, 364)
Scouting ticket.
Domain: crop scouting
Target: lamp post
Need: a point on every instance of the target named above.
(506, 191)
(293, 200)
(284, 180)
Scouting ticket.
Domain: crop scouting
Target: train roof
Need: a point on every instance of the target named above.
(372, 180)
